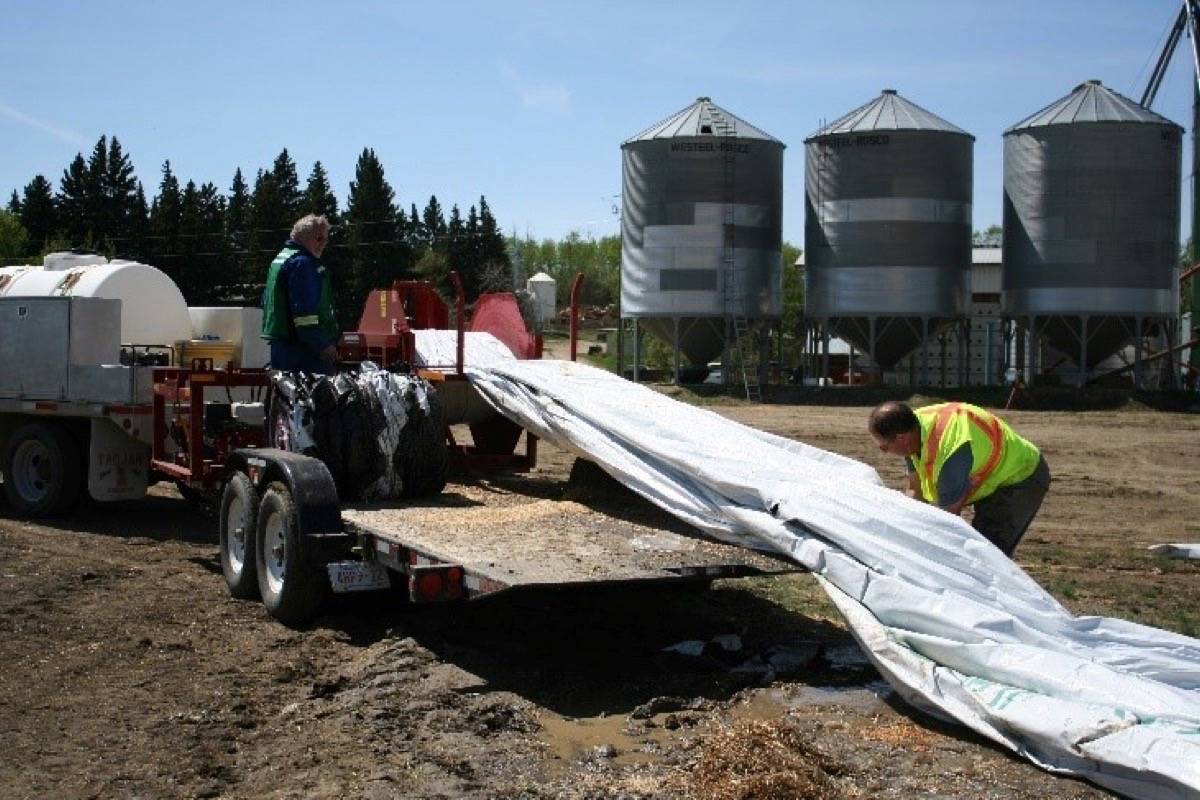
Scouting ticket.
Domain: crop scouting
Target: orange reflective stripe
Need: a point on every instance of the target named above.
(995, 435)
(935, 438)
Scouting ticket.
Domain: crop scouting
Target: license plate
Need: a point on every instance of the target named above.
(357, 576)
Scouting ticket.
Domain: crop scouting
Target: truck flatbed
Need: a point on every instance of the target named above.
(518, 532)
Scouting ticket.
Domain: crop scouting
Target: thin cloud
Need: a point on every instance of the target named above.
(65, 134)
(551, 97)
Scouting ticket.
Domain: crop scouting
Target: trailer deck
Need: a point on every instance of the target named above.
(510, 532)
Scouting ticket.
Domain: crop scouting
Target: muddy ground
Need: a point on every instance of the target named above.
(126, 670)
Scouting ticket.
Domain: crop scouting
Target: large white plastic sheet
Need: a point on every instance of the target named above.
(957, 629)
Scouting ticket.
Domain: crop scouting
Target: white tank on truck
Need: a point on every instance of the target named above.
(153, 311)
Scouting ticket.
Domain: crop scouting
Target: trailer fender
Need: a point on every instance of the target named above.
(318, 512)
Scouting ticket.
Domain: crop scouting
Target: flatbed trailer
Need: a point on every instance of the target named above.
(480, 538)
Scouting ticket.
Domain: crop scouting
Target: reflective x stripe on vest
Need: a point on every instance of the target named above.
(990, 427)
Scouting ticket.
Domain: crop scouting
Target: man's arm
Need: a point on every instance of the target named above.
(954, 481)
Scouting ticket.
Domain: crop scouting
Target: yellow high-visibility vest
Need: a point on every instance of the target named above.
(999, 456)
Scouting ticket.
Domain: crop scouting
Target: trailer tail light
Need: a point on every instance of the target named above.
(431, 583)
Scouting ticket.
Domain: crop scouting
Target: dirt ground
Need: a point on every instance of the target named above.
(126, 670)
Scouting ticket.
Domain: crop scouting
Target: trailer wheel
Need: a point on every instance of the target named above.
(422, 456)
(43, 470)
(237, 521)
(292, 587)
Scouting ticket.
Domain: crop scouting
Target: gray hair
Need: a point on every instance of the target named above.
(308, 226)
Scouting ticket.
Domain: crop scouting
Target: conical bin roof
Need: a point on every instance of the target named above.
(702, 118)
(1090, 101)
(888, 112)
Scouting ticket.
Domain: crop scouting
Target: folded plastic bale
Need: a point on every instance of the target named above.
(379, 432)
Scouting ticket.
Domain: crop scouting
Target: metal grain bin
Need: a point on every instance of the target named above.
(887, 225)
(1091, 221)
(701, 227)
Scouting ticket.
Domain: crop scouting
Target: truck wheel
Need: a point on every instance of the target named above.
(43, 470)
(422, 456)
(292, 587)
(237, 520)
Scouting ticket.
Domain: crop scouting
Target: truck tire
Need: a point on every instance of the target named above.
(291, 585)
(43, 470)
(422, 456)
(237, 521)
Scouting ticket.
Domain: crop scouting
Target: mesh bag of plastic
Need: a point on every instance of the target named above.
(363, 424)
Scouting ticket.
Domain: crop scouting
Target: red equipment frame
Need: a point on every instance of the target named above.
(198, 464)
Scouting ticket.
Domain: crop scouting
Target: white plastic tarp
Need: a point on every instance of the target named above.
(957, 628)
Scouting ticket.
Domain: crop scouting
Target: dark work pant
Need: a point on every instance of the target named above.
(1004, 516)
(298, 358)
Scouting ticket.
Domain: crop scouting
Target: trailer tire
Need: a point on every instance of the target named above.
(422, 456)
(292, 586)
(237, 525)
(43, 470)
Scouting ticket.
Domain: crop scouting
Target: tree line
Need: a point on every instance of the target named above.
(216, 245)
(600, 262)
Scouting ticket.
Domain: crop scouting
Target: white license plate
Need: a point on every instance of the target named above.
(357, 576)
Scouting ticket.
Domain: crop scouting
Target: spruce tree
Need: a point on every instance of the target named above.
(375, 256)
(72, 202)
(455, 248)
(14, 204)
(237, 218)
(120, 193)
(318, 195)
(470, 267)
(493, 249)
(269, 226)
(219, 272)
(138, 225)
(418, 241)
(165, 220)
(433, 225)
(95, 199)
(287, 185)
(188, 272)
(39, 215)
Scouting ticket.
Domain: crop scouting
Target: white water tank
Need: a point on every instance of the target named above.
(544, 290)
(153, 311)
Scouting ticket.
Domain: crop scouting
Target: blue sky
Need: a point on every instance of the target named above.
(528, 102)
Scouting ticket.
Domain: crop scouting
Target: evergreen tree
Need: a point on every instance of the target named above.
(376, 257)
(493, 249)
(469, 267)
(318, 195)
(237, 218)
(120, 194)
(72, 202)
(188, 273)
(95, 199)
(39, 215)
(418, 241)
(287, 185)
(275, 205)
(165, 222)
(14, 204)
(495, 266)
(433, 225)
(238, 208)
(138, 225)
(455, 248)
(219, 269)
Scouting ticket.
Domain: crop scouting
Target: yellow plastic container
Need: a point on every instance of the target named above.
(222, 354)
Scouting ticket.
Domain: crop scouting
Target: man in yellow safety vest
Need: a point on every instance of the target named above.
(957, 455)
